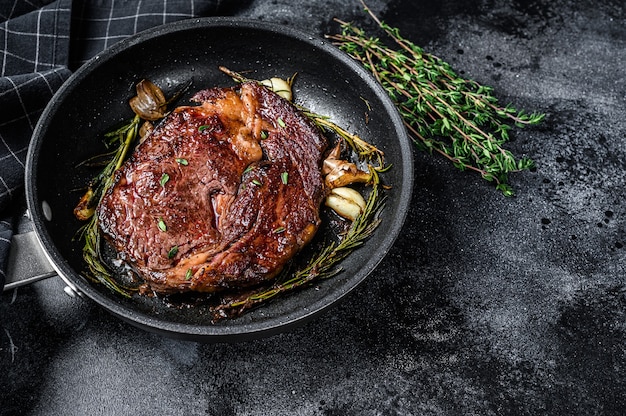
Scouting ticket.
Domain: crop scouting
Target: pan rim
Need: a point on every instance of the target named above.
(217, 333)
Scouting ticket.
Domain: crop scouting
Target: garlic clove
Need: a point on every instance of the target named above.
(279, 86)
(340, 173)
(149, 103)
(346, 202)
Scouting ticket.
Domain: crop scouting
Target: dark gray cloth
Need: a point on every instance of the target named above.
(41, 43)
(33, 59)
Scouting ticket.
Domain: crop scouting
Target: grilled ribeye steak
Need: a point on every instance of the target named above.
(219, 195)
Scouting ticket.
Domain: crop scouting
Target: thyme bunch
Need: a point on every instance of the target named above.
(443, 112)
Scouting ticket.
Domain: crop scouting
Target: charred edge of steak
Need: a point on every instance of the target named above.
(245, 201)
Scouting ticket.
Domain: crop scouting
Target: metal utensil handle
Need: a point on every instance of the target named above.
(27, 261)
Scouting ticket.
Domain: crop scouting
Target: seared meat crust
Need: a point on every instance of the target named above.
(220, 195)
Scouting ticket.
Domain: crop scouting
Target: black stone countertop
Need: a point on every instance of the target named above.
(486, 305)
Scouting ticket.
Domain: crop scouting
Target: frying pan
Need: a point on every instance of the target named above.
(95, 99)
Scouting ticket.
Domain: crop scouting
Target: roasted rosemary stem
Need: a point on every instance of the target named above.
(131, 134)
(123, 138)
(443, 112)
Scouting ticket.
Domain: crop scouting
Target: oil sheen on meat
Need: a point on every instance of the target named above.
(221, 195)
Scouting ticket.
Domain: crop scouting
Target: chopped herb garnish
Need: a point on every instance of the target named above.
(284, 177)
(164, 178)
(281, 123)
(173, 251)
(202, 128)
(257, 182)
(189, 274)
(162, 225)
(279, 230)
(248, 169)
(182, 161)
(264, 134)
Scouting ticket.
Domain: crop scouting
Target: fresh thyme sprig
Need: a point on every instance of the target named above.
(445, 113)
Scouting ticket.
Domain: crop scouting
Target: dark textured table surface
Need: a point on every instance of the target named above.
(486, 305)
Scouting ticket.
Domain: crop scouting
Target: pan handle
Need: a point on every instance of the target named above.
(27, 261)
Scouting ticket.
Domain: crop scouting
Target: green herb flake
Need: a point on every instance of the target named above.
(279, 230)
(264, 134)
(248, 169)
(202, 128)
(164, 178)
(182, 161)
(257, 182)
(189, 274)
(173, 251)
(284, 177)
(281, 123)
(161, 225)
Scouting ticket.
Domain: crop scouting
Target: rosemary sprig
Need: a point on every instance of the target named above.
(443, 112)
(362, 148)
(123, 138)
(149, 104)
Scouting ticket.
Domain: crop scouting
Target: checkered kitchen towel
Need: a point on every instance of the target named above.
(41, 43)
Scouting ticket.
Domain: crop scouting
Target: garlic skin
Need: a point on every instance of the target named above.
(149, 103)
(339, 173)
(346, 202)
(83, 210)
(145, 130)
(342, 173)
(279, 86)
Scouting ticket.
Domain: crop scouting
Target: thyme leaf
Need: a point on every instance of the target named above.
(164, 179)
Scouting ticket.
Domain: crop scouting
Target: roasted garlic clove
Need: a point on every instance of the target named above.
(149, 103)
(346, 202)
(86, 206)
(341, 173)
(279, 86)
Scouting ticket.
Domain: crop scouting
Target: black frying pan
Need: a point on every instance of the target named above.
(95, 99)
